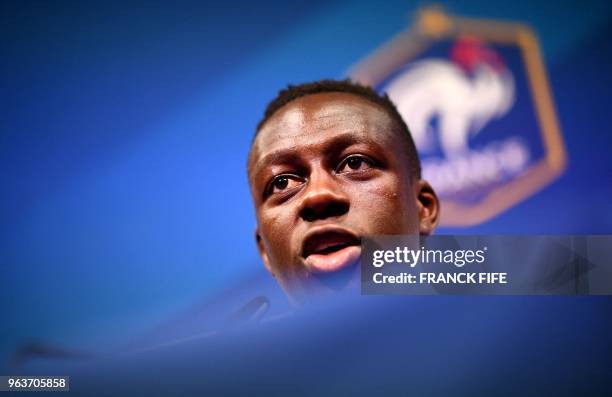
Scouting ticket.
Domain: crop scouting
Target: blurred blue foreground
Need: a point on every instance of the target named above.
(372, 346)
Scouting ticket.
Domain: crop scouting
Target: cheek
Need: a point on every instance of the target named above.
(387, 206)
(275, 229)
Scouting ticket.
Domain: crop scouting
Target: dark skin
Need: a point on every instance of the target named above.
(325, 169)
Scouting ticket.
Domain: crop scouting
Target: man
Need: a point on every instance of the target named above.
(331, 162)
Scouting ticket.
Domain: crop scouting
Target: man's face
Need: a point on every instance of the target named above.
(325, 170)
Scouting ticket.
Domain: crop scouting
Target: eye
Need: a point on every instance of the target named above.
(354, 162)
(283, 182)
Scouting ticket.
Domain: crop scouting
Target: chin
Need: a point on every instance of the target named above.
(320, 285)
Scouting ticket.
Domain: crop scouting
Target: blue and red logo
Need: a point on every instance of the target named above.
(475, 96)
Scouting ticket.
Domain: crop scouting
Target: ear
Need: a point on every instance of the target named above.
(262, 251)
(428, 207)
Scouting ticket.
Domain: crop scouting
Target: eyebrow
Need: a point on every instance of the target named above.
(287, 155)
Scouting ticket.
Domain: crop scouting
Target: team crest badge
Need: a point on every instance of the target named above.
(476, 98)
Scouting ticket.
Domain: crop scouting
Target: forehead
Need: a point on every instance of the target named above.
(315, 118)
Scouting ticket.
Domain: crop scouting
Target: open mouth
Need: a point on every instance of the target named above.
(331, 249)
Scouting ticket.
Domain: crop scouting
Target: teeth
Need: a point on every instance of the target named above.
(330, 248)
(328, 243)
(325, 246)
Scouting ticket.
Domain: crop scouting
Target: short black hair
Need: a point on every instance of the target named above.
(346, 86)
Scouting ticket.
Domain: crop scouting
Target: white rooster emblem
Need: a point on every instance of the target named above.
(464, 95)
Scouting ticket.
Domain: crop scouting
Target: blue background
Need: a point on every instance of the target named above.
(124, 130)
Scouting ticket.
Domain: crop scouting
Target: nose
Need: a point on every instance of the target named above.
(323, 198)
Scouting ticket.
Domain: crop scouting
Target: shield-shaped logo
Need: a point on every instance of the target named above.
(476, 98)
